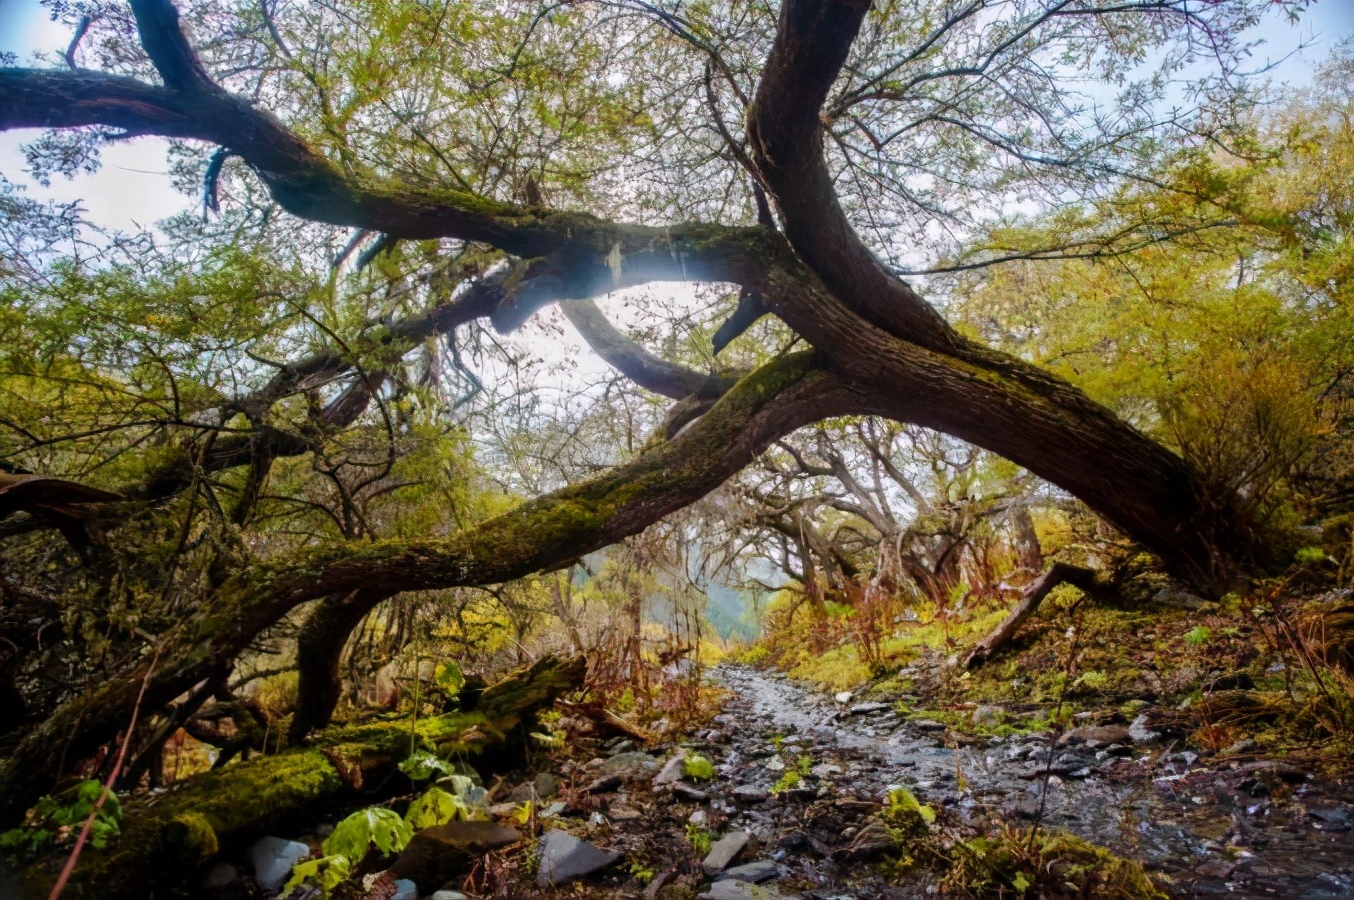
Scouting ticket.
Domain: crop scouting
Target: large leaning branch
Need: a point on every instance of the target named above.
(767, 404)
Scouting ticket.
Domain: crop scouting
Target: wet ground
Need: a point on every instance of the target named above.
(1237, 828)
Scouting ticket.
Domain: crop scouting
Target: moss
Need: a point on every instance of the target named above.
(1047, 863)
(166, 840)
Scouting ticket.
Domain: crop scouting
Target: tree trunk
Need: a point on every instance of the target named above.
(168, 841)
(319, 650)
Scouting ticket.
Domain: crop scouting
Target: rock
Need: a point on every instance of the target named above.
(521, 794)
(742, 890)
(405, 890)
(1139, 733)
(435, 856)
(630, 765)
(749, 793)
(927, 725)
(673, 770)
(546, 785)
(723, 852)
(222, 882)
(622, 813)
(272, 859)
(754, 872)
(1246, 745)
(844, 697)
(553, 810)
(990, 714)
(565, 858)
(699, 817)
(683, 791)
(1096, 735)
(862, 709)
(605, 784)
(1333, 818)
(448, 895)
(825, 770)
(622, 747)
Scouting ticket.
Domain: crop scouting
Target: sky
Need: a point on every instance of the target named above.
(132, 189)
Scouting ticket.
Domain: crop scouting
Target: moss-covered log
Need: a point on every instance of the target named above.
(168, 840)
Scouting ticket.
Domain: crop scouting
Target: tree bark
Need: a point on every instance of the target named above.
(167, 841)
(1034, 593)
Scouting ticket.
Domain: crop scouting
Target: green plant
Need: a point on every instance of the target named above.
(698, 767)
(423, 766)
(788, 781)
(905, 813)
(374, 826)
(523, 812)
(56, 817)
(1198, 635)
(1310, 555)
(325, 872)
(699, 839)
(448, 677)
(438, 806)
(1092, 680)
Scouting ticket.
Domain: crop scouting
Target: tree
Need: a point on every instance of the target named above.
(502, 161)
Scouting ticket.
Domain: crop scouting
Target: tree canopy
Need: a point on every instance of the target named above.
(336, 379)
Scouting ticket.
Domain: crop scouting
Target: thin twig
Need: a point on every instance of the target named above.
(67, 869)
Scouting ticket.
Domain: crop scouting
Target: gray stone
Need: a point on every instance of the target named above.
(437, 855)
(629, 765)
(742, 890)
(724, 851)
(1139, 733)
(448, 895)
(683, 791)
(405, 890)
(622, 747)
(272, 859)
(825, 770)
(553, 810)
(749, 793)
(546, 785)
(565, 858)
(1096, 735)
(522, 793)
(844, 697)
(754, 872)
(861, 709)
(987, 714)
(672, 770)
(219, 876)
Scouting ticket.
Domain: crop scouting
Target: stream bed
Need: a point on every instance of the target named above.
(1253, 828)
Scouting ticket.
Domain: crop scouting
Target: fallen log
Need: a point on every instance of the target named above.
(1087, 580)
(168, 840)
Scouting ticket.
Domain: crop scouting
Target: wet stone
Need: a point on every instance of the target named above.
(437, 855)
(748, 793)
(753, 872)
(724, 851)
(272, 859)
(565, 858)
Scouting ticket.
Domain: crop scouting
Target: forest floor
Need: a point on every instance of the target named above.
(802, 779)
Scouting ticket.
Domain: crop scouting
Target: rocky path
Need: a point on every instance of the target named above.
(1241, 828)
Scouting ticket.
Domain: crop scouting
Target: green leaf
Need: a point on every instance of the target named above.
(374, 826)
(422, 766)
(435, 807)
(327, 872)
